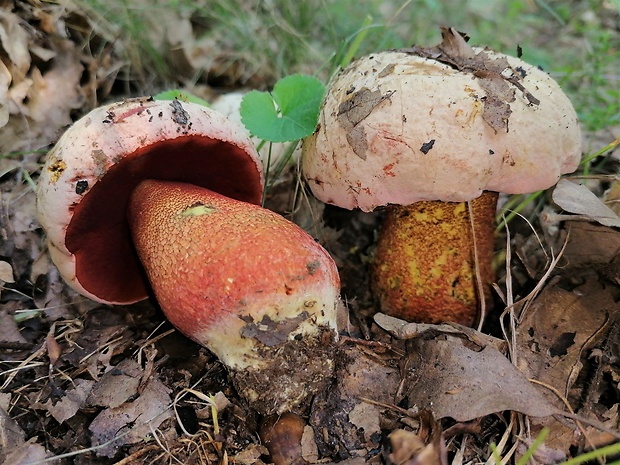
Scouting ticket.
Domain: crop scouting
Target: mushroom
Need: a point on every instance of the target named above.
(185, 184)
(434, 134)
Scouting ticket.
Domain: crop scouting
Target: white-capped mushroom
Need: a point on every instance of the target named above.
(423, 130)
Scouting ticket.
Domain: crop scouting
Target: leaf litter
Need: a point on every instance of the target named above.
(94, 384)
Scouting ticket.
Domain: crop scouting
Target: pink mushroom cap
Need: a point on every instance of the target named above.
(398, 128)
(89, 175)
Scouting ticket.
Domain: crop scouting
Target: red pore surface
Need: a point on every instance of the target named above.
(99, 235)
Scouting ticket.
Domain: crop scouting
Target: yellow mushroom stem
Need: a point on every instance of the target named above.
(424, 269)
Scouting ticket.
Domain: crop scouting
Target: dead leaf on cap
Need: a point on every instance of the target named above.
(353, 111)
(495, 75)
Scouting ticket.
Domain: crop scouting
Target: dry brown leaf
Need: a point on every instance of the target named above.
(9, 332)
(353, 111)
(365, 417)
(612, 197)
(590, 245)
(26, 454)
(405, 445)
(425, 447)
(342, 411)
(132, 421)
(454, 381)
(116, 386)
(553, 337)
(41, 104)
(495, 75)
(6, 273)
(578, 199)
(553, 334)
(14, 450)
(11, 435)
(14, 41)
(71, 402)
(54, 351)
(5, 82)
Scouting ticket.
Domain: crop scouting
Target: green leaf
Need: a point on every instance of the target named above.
(289, 113)
(182, 96)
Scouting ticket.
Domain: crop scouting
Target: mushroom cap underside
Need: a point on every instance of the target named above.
(89, 175)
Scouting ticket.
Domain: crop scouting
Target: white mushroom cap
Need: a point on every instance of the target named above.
(86, 181)
(397, 128)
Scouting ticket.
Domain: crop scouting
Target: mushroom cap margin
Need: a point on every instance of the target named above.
(424, 137)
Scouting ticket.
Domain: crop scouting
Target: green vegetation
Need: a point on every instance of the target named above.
(180, 95)
(237, 43)
(290, 112)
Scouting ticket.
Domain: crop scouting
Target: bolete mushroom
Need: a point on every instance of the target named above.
(185, 183)
(434, 134)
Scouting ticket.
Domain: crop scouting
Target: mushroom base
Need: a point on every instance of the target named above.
(424, 268)
(293, 372)
(252, 287)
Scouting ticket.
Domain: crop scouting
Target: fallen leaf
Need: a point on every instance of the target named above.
(454, 381)
(5, 82)
(405, 445)
(6, 273)
(409, 449)
(402, 329)
(9, 331)
(591, 244)
(14, 41)
(14, 449)
(54, 351)
(578, 199)
(365, 417)
(27, 454)
(612, 196)
(42, 102)
(353, 111)
(133, 421)
(558, 328)
(11, 435)
(71, 402)
(342, 411)
(117, 385)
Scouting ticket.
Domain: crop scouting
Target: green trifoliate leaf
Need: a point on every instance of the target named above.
(290, 112)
